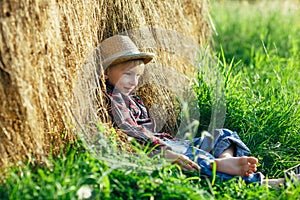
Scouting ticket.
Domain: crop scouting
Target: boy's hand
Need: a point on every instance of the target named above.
(183, 161)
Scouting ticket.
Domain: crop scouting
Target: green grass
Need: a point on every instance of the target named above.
(263, 85)
(258, 50)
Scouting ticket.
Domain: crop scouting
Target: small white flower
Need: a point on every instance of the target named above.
(84, 192)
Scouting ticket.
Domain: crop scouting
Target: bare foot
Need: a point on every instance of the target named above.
(238, 166)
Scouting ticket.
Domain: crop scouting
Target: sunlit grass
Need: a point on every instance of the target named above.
(263, 92)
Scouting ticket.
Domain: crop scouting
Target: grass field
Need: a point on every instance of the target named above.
(258, 48)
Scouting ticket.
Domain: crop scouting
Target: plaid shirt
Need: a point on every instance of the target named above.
(130, 115)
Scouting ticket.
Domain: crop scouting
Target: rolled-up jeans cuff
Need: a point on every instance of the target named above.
(228, 138)
(254, 178)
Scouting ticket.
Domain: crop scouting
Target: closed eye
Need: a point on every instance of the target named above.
(127, 73)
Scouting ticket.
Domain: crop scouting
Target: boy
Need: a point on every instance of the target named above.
(123, 65)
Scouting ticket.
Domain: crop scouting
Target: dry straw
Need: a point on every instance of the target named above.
(47, 69)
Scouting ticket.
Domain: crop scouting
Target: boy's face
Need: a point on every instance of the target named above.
(125, 76)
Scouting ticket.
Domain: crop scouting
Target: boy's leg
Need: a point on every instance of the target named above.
(229, 144)
(223, 141)
(227, 168)
(229, 152)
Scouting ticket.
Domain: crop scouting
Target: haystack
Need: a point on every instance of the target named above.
(48, 68)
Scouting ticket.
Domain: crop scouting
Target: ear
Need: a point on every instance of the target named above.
(106, 72)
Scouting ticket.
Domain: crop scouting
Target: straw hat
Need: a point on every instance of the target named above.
(119, 48)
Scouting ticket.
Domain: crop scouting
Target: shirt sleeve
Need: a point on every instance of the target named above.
(123, 120)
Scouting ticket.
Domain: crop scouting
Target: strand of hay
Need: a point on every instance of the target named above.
(44, 52)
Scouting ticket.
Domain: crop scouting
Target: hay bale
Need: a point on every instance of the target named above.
(43, 48)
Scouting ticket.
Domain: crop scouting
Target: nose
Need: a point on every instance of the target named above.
(134, 81)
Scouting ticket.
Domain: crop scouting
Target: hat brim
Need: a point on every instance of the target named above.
(146, 57)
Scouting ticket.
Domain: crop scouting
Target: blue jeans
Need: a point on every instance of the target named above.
(204, 150)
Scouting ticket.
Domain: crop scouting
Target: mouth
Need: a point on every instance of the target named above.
(128, 89)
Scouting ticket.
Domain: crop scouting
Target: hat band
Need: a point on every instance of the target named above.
(120, 55)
